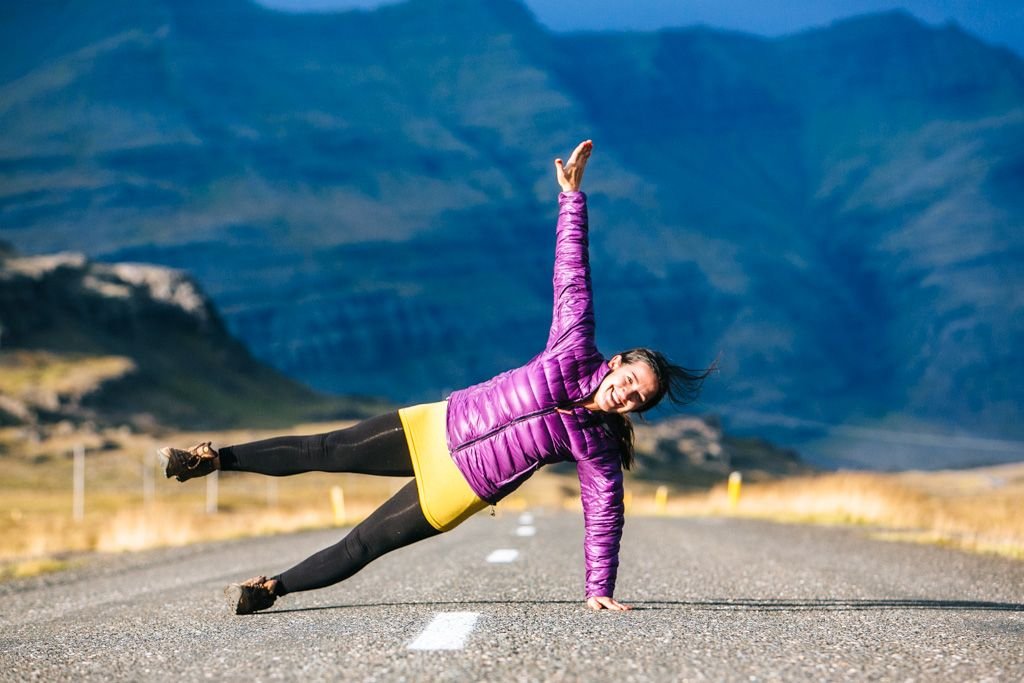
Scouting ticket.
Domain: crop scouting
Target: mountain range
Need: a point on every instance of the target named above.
(369, 199)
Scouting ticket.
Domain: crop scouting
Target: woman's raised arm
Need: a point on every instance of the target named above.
(572, 320)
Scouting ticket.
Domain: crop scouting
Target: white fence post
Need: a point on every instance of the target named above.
(211, 493)
(272, 492)
(78, 484)
(148, 484)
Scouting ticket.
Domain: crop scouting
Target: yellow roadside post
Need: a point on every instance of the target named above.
(338, 503)
(661, 500)
(735, 483)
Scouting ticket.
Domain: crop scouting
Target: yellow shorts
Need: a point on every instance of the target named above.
(445, 496)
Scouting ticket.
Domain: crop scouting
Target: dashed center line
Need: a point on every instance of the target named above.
(503, 555)
(526, 531)
(446, 631)
(526, 518)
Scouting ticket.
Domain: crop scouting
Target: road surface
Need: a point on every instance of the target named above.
(715, 599)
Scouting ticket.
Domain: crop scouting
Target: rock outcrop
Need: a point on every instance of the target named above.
(694, 451)
(135, 344)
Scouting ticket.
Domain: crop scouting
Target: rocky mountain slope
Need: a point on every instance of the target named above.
(133, 344)
(367, 197)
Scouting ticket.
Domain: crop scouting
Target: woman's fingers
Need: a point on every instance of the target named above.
(612, 604)
(570, 174)
(561, 176)
(581, 152)
(601, 602)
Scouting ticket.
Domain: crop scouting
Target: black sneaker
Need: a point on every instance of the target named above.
(249, 596)
(197, 461)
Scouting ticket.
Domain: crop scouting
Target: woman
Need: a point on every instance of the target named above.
(567, 403)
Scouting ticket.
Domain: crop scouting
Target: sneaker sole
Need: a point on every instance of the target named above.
(165, 460)
(175, 464)
(233, 596)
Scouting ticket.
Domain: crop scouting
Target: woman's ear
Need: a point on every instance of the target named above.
(615, 362)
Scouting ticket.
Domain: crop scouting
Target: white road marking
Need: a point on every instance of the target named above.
(526, 531)
(503, 555)
(526, 518)
(446, 631)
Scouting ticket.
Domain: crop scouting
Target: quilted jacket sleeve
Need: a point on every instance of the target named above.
(601, 495)
(572, 322)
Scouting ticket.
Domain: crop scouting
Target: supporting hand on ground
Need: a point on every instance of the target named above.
(570, 175)
(600, 602)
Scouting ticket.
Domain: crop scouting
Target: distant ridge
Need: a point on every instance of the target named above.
(134, 344)
(367, 197)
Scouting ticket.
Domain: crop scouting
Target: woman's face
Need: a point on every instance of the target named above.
(627, 387)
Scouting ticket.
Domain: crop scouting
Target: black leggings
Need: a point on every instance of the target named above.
(374, 446)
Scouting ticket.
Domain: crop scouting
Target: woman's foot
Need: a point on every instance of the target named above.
(251, 596)
(197, 461)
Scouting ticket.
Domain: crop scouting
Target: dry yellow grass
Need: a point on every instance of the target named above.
(978, 510)
(131, 506)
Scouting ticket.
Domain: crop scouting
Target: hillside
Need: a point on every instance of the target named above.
(367, 198)
(85, 343)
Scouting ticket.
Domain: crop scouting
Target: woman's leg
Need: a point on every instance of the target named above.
(374, 446)
(395, 524)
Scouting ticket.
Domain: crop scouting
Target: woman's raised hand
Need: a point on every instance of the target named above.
(570, 175)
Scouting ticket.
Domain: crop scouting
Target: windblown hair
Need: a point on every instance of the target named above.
(681, 385)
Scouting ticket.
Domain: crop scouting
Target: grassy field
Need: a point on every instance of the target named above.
(129, 505)
(978, 510)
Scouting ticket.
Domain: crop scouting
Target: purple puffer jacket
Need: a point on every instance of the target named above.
(501, 431)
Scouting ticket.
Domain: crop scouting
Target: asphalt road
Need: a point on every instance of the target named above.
(714, 599)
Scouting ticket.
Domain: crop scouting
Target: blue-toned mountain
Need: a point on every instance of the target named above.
(368, 198)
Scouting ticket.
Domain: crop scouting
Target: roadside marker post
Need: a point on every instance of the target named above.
(661, 500)
(735, 483)
(338, 503)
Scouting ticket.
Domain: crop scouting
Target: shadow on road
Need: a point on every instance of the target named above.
(735, 604)
(830, 605)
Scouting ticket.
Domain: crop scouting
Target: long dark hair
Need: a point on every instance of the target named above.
(681, 385)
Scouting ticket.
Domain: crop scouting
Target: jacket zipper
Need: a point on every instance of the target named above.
(509, 425)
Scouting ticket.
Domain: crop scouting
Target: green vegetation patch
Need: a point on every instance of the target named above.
(24, 374)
